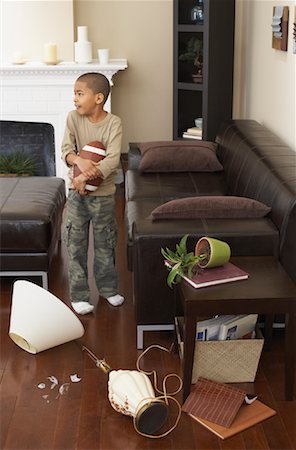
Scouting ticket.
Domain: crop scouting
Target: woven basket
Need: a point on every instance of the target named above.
(233, 361)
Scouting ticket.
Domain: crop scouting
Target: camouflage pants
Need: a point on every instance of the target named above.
(83, 210)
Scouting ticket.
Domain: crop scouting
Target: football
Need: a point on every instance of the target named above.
(95, 151)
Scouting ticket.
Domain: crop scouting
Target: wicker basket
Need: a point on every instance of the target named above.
(233, 361)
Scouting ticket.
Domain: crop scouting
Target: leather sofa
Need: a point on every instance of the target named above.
(30, 224)
(257, 165)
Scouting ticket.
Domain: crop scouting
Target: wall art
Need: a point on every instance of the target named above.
(294, 32)
(279, 25)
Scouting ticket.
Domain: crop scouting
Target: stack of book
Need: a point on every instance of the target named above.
(223, 328)
(224, 410)
(193, 133)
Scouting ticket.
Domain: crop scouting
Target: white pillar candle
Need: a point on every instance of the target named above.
(50, 53)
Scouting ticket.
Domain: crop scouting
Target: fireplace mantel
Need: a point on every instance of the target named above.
(63, 69)
(38, 92)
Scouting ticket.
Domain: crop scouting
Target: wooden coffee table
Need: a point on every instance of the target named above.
(268, 290)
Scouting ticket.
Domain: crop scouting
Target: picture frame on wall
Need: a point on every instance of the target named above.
(280, 25)
(294, 32)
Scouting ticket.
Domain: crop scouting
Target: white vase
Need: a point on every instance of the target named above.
(82, 47)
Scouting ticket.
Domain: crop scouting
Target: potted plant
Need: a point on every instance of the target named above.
(213, 251)
(17, 163)
(192, 59)
(209, 252)
(181, 262)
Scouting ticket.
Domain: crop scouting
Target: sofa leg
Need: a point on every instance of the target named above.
(142, 328)
(18, 273)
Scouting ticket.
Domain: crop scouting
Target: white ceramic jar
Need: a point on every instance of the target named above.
(82, 47)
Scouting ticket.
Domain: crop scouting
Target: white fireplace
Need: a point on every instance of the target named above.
(35, 92)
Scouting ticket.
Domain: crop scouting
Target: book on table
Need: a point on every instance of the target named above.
(216, 275)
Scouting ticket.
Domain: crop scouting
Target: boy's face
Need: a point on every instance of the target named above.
(85, 101)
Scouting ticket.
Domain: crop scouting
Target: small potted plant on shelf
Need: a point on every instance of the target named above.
(192, 61)
(17, 163)
(209, 252)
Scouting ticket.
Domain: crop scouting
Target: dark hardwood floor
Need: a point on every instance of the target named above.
(82, 418)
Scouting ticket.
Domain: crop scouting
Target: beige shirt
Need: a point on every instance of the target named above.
(80, 131)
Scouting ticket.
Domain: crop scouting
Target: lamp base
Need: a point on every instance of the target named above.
(151, 417)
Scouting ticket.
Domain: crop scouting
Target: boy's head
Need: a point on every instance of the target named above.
(97, 82)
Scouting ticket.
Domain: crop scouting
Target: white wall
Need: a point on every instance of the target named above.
(265, 78)
(26, 25)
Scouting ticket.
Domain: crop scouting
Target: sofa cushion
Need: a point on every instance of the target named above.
(171, 185)
(211, 207)
(179, 156)
(31, 210)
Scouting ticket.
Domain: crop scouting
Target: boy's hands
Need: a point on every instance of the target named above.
(88, 168)
(89, 171)
(79, 184)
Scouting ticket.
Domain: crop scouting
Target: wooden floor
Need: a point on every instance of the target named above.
(82, 418)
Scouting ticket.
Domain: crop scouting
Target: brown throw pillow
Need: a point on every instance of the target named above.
(179, 156)
(211, 207)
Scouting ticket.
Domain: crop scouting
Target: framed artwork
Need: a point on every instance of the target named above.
(279, 25)
(294, 32)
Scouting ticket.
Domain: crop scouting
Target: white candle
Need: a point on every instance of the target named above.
(50, 53)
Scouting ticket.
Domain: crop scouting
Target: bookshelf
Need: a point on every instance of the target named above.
(211, 43)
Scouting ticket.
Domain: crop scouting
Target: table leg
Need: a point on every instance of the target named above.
(189, 347)
(268, 324)
(290, 349)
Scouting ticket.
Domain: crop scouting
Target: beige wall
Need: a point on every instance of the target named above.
(265, 78)
(142, 32)
(25, 26)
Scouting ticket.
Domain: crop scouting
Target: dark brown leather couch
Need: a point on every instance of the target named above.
(30, 224)
(258, 165)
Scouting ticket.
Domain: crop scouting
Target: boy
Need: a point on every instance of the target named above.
(90, 122)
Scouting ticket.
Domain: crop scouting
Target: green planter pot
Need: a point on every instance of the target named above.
(216, 252)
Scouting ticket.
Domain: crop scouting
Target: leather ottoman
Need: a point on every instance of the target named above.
(30, 224)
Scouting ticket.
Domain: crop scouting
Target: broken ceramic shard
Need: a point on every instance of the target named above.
(74, 378)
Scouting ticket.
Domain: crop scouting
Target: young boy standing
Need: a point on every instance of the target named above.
(90, 122)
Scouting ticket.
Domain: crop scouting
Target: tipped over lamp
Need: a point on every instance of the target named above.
(131, 393)
(39, 320)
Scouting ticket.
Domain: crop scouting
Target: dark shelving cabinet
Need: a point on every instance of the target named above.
(211, 96)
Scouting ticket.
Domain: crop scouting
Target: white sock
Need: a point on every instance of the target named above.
(82, 307)
(115, 300)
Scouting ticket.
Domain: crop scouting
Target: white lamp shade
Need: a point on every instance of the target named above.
(39, 320)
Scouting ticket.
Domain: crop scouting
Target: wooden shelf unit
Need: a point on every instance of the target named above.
(212, 98)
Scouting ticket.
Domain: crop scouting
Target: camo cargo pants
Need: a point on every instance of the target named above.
(100, 211)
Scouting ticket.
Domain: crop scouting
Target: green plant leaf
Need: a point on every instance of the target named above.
(173, 274)
(169, 255)
(183, 243)
(18, 163)
(182, 262)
